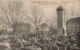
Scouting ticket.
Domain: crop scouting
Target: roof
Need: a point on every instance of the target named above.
(73, 21)
(60, 8)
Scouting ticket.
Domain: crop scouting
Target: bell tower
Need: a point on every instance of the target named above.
(60, 12)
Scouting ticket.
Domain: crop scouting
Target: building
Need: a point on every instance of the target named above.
(73, 25)
(44, 28)
(60, 17)
(24, 28)
(21, 27)
(60, 14)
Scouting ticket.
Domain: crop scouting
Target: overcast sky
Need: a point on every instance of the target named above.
(49, 7)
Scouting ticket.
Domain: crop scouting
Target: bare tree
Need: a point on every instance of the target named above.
(52, 25)
(36, 17)
(13, 14)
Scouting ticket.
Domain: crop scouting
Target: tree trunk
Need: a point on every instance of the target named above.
(17, 34)
(58, 48)
(20, 40)
(37, 30)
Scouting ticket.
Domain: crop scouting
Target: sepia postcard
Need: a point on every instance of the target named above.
(39, 24)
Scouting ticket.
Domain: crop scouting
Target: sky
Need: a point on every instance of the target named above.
(72, 8)
(49, 7)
